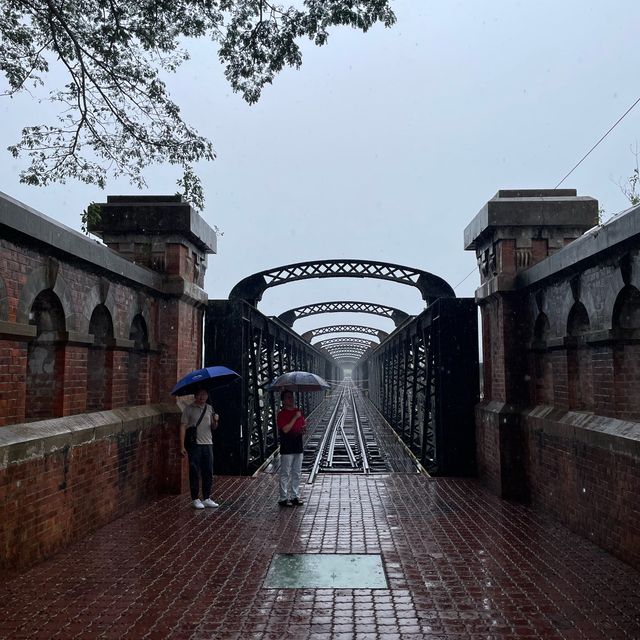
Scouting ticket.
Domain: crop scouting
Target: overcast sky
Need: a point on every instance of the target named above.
(383, 146)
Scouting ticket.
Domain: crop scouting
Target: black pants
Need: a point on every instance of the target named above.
(200, 466)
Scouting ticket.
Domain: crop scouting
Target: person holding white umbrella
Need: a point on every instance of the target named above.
(291, 424)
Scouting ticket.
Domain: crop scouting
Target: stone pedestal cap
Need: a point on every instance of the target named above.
(164, 216)
(534, 208)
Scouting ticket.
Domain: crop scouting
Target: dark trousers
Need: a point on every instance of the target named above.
(200, 466)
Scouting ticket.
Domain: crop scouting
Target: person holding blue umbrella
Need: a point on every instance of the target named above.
(197, 425)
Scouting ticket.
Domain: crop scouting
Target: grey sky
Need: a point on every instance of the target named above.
(384, 145)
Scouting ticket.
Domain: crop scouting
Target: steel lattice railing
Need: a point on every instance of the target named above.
(424, 380)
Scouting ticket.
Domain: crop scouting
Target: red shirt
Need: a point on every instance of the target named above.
(284, 418)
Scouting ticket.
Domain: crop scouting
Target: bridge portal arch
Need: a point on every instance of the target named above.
(343, 306)
(345, 328)
(252, 287)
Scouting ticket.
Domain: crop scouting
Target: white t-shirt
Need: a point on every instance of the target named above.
(190, 416)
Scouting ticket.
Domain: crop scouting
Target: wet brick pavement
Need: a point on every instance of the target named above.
(461, 564)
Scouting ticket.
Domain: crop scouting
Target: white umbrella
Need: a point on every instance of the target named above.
(298, 381)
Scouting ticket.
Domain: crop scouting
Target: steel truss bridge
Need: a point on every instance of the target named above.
(422, 378)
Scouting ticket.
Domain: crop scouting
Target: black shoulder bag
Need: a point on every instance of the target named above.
(191, 434)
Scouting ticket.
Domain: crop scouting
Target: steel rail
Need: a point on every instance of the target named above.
(316, 465)
(365, 457)
(350, 454)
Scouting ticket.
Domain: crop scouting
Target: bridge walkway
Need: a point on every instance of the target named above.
(459, 564)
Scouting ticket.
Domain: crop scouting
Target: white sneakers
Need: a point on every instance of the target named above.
(201, 504)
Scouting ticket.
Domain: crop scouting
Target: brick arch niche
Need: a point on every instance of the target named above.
(4, 301)
(45, 358)
(579, 370)
(138, 370)
(100, 360)
(626, 355)
(543, 364)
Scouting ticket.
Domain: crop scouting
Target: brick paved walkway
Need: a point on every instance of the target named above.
(460, 563)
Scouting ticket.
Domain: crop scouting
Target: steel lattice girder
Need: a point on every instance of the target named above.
(351, 352)
(430, 286)
(346, 341)
(359, 348)
(341, 350)
(424, 380)
(343, 306)
(238, 336)
(345, 328)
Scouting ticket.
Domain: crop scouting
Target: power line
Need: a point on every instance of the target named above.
(463, 279)
(586, 155)
(615, 124)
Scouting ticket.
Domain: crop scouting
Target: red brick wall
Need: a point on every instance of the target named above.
(488, 449)
(626, 364)
(603, 380)
(45, 385)
(580, 378)
(52, 500)
(558, 361)
(99, 372)
(590, 488)
(13, 381)
(75, 380)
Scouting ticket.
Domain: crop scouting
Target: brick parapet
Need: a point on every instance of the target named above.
(565, 330)
(584, 470)
(62, 478)
(82, 329)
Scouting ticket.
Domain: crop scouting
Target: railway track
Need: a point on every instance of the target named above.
(343, 440)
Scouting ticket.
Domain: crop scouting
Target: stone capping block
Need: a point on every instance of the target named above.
(186, 291)
(153, 216)
(122, 344)
(30, 225)
(17, 331)
(614, 435)
(79, 339)
(531, 208)
(613, 236)
(33, 440)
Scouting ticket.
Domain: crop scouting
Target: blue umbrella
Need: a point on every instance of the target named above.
(208, 378)
(298, 381)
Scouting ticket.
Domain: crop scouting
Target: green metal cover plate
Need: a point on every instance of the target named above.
(326, 571)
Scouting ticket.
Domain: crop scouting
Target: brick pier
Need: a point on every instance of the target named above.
(460, 562)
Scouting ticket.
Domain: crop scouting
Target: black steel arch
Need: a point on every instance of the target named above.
(345, 350)
(343, 306)
(346, 341)
(430, 286)
(344, 328)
